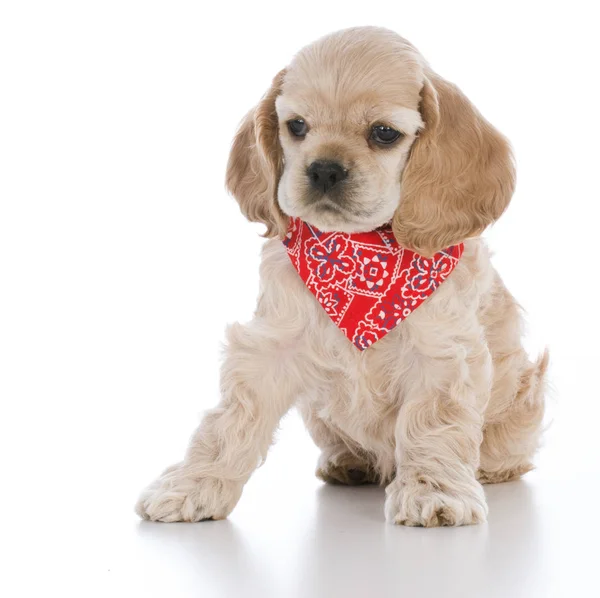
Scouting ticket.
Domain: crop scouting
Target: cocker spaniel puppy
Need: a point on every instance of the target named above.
(380, 315)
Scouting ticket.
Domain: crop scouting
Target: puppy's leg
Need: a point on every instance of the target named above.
(439, 431)
(341, 461)
(512, 436)
(259, 383)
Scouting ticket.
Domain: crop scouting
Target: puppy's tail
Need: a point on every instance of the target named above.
(532, 385)
(538, 377)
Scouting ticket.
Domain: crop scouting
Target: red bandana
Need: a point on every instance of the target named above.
(365, 282)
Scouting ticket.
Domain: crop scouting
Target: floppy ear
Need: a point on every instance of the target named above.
(459, 177)
(256, 162)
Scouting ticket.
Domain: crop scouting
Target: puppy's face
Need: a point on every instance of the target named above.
(346, 138)
(358, 132)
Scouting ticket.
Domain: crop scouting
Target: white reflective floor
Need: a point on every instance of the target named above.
(292, 536)
(333, 542)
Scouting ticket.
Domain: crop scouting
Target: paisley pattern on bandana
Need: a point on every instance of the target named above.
(366, 283)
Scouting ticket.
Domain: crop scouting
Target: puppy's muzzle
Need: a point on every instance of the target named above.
(325, 174)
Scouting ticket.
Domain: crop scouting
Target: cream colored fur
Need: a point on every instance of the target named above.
(448, 399)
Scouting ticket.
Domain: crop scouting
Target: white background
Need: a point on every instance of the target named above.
(122, 259)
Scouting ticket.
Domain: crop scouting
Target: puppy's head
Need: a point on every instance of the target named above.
(358, 132)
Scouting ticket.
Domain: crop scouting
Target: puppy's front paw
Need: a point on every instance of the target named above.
(415, 504)
(178, 495)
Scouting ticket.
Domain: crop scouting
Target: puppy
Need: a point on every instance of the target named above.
(356, 134)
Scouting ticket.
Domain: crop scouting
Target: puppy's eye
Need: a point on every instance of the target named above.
(384, 134)
(298, 127)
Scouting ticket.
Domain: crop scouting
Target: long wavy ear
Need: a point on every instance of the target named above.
(256, 162)
(459, 177)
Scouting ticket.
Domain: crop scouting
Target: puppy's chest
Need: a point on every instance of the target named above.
(358, 392)
(363, 391)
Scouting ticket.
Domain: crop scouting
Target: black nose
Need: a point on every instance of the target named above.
(324, 174)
